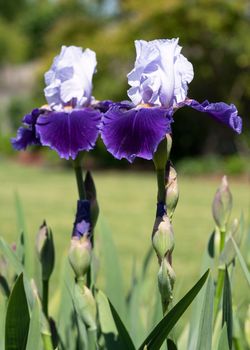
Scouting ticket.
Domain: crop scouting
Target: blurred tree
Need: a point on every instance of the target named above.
(213, 33)
(11, 9)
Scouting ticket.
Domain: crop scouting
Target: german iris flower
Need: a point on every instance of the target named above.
(159, 85)
(70, 122)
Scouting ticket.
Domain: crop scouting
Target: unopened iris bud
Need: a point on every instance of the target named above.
(91, 196)
(222, 204)
(85, 306)
(45, 249)
(80, 255)
(172, 191)
(162, 153)
(166, 280)
(163, 237)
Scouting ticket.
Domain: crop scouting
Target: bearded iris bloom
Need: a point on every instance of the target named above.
(159, 85)
(70, 122)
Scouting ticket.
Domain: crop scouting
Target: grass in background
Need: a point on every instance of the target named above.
(127, 203)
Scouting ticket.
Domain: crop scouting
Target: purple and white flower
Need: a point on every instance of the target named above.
(159, 85)
(70, 123)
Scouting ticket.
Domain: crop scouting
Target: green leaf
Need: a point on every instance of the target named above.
(228, 254)
(24, 248)
(34, 335)
(107, 324)
(12, 259)
(66, 312)
(210, 246)
(10, 256)
(223, 341)
(17, 318)
(146, 262)
(122, 331)
(4, 286)
(171, 345)
(227, 311)
(207, 262)
(242, 261)
(161, 331)
(204, 341)
(112, 271)
(2, 320)
(134, 300)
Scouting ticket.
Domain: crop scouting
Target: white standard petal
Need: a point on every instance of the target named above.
(72, 71)
(161, 73)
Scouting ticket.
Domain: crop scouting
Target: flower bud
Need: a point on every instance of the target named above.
(91, 196)
(166, 280)
(80, 255)
(85, 306)
(45, 249)
(162, 153)
(172, 191)
(222, 204)
(163, 237)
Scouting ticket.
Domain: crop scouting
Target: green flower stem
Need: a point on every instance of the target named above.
(79, 177)
(161, 194)
(222, 239)
(91, 339)
(221, 275)
(237, 344)
(218, 292)
(45, 297)
(47, 342)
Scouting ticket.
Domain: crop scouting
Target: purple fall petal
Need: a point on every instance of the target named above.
(226, 114)
(26, 135)
(69, 132)
(129, 133)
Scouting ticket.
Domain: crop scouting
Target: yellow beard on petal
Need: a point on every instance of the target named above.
(144, 105)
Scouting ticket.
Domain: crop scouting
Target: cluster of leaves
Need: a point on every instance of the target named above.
(125, 322)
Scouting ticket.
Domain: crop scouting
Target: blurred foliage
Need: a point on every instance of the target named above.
(13, 44)
(211, 164)
(213, 35)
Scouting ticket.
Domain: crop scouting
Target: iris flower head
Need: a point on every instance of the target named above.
(161, 73)
(70, 122)
(158, 87)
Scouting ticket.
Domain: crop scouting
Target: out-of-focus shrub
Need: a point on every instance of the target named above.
(231, 165)
(17, 108)
(6, 148)
(13, 44)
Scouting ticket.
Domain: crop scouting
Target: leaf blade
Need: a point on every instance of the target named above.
(161, 331)
(242, 261)
(227, 309)
(122, 331)
(17, 318)
(204, 341)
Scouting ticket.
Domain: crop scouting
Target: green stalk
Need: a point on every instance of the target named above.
(161, 194)
(47, 342)
(237, 344)
(222, 239)
(218, 292)
(221, 275)
(45, 297)
(91, 339)
(79, 177)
